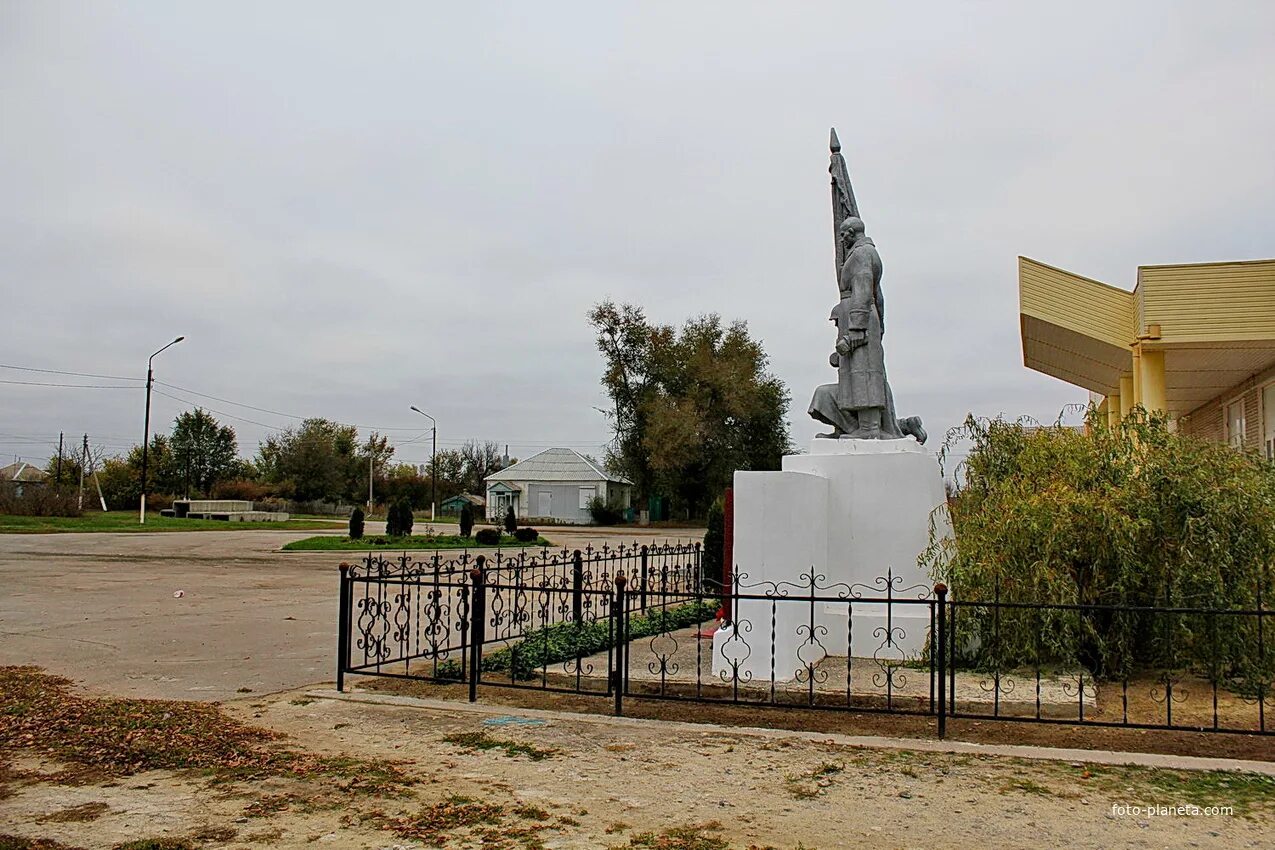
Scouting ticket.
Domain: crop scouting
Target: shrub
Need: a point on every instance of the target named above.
(356, 524)
(42, 499)
(526, 535)
(488, 536)
(241, 488)
(604, 512)
(713, 559)
(564, 641)
(466, 520)
(398, 519)
(1134, 515)
(511, 521)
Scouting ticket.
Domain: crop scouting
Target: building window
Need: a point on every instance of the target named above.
(1268, 420)
(587, 495)
(1235, 424)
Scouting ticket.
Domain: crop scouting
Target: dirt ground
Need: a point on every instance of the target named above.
(570, 783)
(254, 628)
(100, 608)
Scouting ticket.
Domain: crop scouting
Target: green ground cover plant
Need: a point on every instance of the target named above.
(563, 641)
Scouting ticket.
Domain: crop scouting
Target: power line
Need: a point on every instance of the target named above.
(73, 374)
(218, 412)
(76, 386)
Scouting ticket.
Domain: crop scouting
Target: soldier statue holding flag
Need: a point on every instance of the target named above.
(860, 404)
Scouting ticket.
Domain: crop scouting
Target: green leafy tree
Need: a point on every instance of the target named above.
(163, 475)
(203, 451)
(689, 406)
(322, 459)
(1137, 515)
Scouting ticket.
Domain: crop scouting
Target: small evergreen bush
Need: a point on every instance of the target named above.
(356, 524)
(712, 562)
(487, 537)
(466, 520)
(526, 535)
(398, 519)
(604, 512)
(511, 521)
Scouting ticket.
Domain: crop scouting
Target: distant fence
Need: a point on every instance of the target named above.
(641, 622)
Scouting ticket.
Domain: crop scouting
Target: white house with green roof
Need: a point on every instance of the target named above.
(555, 485)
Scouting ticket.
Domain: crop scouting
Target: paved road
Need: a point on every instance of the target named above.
(100, 608)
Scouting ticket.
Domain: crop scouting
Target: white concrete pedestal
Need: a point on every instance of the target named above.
(852, 516)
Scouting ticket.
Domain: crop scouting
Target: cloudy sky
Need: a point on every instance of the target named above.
(352, 208)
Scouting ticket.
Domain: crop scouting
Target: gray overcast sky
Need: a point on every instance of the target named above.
(352, 208)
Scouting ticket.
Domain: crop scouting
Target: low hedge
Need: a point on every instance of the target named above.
(564, 641)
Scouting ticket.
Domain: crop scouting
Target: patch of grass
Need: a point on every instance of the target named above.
(473, 741)
(76, 814)
(1027, 786)
(220, 834)
(17, 842)
(701, 837)
(380, 542)
(126, 522)
(806, 786)
(527, 811)
(1249, 794)
(118, 737)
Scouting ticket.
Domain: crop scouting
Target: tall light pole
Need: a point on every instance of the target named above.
(146, 435)
(433, 462)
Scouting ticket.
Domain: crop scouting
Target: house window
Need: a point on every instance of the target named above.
(1268, 420)
(1235, 424)
(587, 495)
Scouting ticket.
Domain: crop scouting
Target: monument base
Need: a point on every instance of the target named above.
(827, 550)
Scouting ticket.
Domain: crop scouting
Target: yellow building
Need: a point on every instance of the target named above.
(1195, 341)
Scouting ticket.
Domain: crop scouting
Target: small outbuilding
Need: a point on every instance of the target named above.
(20, 475)
(454, 505)
(555, 485)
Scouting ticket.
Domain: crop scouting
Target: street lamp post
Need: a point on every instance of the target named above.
(146, 435)
(433, 462)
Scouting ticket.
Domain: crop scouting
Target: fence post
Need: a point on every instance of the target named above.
(343, 628)
(477, 616)
(577, 587)
(938, 647)
(642, 587)
(699, 569)
(621, 642)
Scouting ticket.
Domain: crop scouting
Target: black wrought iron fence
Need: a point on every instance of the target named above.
(642, 622)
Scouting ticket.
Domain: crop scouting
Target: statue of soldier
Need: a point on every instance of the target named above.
(860, 404)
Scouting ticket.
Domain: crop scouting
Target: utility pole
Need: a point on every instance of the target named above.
(433, 463)
(146, 435)
(97, 482)
(369, 482)
(84, 459)
(58, 478)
